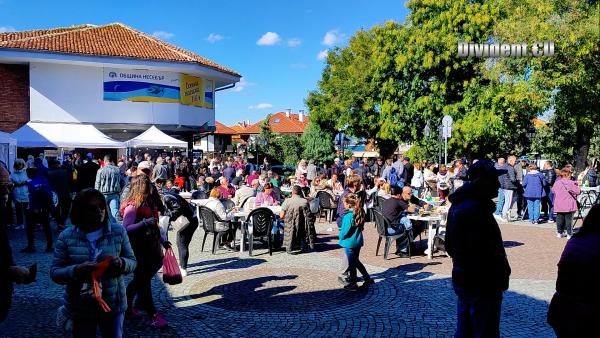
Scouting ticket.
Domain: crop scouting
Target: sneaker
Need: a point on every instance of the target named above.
(551, 221)
(343, 280)
(183, 272)
(133, 313)
(559, 235)
(568, 236)
(28, 249)
(401, 254)
(367, 282)
(158, 321)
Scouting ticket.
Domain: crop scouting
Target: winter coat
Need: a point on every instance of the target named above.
(575, 306)
(565, 195)
(534, 183)
(350, 235)
(299, 223)
(509, 180)
(550, 176)
(59, 181)
(417, 179)
(109, 180)
(20, 192)
(72, 248)
(474, 242)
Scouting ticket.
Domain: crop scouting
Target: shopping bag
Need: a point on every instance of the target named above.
(171, 273)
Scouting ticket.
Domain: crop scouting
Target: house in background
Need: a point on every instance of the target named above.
(282, 123)
(218, 141)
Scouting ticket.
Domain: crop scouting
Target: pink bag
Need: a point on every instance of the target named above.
(171, 273)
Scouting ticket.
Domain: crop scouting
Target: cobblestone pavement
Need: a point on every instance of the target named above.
(233, 295)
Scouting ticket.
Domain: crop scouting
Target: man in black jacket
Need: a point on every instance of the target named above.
(480, 271)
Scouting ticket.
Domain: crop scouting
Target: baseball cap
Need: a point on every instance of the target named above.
(483, 168)
(406, 158)
(524, 158)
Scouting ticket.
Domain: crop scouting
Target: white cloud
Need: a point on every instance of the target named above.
(294, 42)
(242, 85)
(269, 39)
(297, 66)
(7, 29)
(332, 37)
(261, 106)
(322, 55)
(214, 37)
(163, 35)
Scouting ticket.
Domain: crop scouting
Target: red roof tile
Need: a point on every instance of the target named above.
(223, 129)
(116, 40)
(285, 125)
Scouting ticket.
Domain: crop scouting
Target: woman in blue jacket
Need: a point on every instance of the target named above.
(534, 183)
(80, 249)
(351, 239)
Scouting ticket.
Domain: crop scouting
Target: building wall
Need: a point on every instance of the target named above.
(73, 93)
(14, 97)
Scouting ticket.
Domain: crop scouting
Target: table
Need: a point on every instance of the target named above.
(431, 221)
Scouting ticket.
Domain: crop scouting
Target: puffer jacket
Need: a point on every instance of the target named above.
(20, 191)
(72, 248)
(109, 180)
(534, 183)
(509, 180)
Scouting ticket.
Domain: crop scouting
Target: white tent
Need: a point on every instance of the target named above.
(63, 135)
(8, 150)
(154, 138)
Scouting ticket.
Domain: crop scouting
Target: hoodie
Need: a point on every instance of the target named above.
(474, 242)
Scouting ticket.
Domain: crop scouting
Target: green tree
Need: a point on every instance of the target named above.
(267, 140)
(290, 147)
(317, 143)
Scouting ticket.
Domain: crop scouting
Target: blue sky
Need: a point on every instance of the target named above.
(275, 45)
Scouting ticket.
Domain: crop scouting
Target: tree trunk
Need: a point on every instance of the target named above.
(583, 134)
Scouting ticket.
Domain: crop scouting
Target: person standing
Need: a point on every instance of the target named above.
(480, 271)
(351, 239)
(418, 180)
(58, 177)
(311, 171)
(548, 200)
(86, 173)
(82, 249)
(500, 165)
(20, 193)
(110, 183)
(533, 185)
(140, 219)
(38, 212)
(520, 172)
(409, 171)
(443, 182)
(510, 184)
(565, 202)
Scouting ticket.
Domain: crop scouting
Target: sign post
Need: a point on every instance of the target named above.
(446, 133)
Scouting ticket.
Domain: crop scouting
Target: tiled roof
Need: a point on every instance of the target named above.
(113, 40)
(280, 124)
(223, 129)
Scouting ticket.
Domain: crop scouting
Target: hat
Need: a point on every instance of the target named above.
(89, 155)
(406, 158)
(144, 165)
(524, 158)
(484, 168)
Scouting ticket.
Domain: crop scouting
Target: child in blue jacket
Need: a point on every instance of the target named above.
(351, 239)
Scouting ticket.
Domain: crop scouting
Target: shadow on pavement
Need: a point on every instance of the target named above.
(223, 264)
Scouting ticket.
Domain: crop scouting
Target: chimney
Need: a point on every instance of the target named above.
(288, 112)
(301, 115)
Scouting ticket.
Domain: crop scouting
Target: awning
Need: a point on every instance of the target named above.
(153, 137)
(367, 154)
(63, 135)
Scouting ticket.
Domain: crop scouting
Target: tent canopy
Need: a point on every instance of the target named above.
(63, 135)
(153, 137)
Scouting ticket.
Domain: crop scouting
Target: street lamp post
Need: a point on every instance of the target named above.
(440, 132)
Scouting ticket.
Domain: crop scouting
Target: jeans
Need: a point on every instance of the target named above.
(111, 326)
(564, 221)
(548, 205)
(500, 203)
(113, 202)
(352, 254)
(414, 229)
(478, 313)
(533, 208)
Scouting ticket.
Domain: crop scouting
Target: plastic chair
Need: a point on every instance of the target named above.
(382, 225)
(326, 203)
(209, 219)
(262, 223)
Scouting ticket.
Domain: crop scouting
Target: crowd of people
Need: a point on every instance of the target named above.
(114, 208)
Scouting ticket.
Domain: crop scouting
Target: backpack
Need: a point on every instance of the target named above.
(591, 177)
(393, 178)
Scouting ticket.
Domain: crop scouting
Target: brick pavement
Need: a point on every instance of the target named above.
(228, 295)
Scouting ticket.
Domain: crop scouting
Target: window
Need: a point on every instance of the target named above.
(276, 121)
